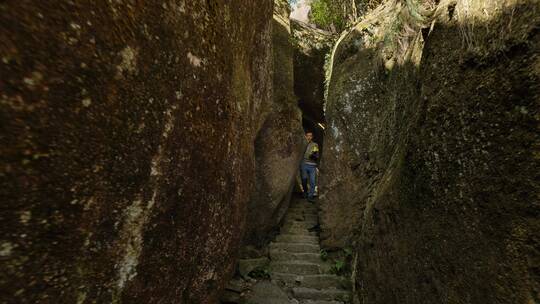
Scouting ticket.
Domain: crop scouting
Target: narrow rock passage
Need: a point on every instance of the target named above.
(296, 260)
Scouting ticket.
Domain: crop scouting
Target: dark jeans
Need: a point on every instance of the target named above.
(308, 172)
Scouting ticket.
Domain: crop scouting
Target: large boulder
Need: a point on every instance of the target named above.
(278, 146)
(127, 155)
(431, 159)
(311, 49)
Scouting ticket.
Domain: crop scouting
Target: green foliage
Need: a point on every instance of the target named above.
(324, 255)
(259, 273)
(338, 267)
(341, 266)
(402, 26)
(327, 13)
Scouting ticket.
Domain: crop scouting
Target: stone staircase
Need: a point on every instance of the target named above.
(296, 261)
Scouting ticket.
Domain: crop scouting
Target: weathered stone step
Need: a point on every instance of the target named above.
(297, 224)
(303, 207)
(289, 238)
(295, 247)
(305, 224)
(295, 267)
(302, 203)
(277, 255)
(320, 302)
(300, 223)
(302, 211)
(297, 231)
(294, 217)
(317, 281)
(324, 294)
(301, 218)
(305, 217)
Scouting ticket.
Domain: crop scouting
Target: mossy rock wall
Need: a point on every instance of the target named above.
(431, 158)
(127, 156)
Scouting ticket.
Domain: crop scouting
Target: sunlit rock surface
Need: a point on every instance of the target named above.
(431, 155)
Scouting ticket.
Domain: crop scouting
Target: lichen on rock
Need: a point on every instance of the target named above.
(429, 167)
(127, 135)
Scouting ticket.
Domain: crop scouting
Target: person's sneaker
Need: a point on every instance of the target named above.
(311, 199)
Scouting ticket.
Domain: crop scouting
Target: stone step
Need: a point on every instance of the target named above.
(295, 267)
(295, 247)
(277, 255)
(317, 281)
(302, 211)
(297, 231)
(245, 266)
(306, 224)
(307, 218)
(263, 292)
(303, 225)
(302, 203)
(290, 238)
(296, 224)
(320, 302)
(302, 217)
(294, 217)
(324, 294)
(303, 207)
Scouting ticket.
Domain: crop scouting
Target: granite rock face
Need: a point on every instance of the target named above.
(431, 155)
(127, 156)
(311, 47)
(278, 146)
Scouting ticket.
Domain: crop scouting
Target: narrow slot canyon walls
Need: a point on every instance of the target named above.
(278, 146)
(127, 147)
(431, 157)
(311, 47)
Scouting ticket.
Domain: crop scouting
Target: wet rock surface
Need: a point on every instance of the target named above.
(127, 152)
(430, 160)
